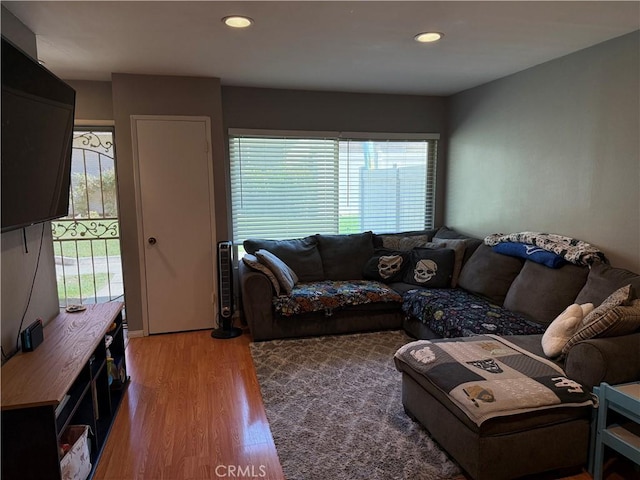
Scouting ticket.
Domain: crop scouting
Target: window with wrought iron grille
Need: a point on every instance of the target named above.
(86, 242)
(293, 184)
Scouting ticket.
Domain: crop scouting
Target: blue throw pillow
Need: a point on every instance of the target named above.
(530, 252)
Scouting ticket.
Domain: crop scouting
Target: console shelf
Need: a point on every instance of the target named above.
(624, 435)
(65, 381)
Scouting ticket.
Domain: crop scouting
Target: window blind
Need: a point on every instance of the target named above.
(289, 186)
(283, 187)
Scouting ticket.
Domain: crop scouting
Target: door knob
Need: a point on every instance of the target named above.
(152, 241)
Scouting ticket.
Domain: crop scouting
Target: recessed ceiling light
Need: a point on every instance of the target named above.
(237, 21)
(428, 37)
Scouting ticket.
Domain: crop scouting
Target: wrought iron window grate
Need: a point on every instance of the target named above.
(87, 242)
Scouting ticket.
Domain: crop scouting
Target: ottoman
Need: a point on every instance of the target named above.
(502, 447)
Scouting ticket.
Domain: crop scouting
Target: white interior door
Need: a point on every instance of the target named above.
(176, 228)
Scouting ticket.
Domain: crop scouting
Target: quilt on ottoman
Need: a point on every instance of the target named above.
(453, 312)
(487, 376)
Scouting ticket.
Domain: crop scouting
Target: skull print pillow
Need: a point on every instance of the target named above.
(430, 267)
(386, 266)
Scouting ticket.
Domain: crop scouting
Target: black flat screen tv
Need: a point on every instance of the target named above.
(37, 133)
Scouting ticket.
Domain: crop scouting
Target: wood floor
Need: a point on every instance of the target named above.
(193, 410)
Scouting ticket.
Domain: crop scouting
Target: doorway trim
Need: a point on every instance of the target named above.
(139, 212)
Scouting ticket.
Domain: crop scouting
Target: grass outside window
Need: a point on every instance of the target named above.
(87, 284)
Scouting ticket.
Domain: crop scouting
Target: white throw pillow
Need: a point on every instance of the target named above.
(562, 328)
(587, 308)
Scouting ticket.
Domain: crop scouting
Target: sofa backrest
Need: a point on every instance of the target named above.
(489, 274)
(300, 254)
(320, 257)
(471, 243)
(603, 280)
(542, 293)
(403, 240)
(522, 286)
(344, 256)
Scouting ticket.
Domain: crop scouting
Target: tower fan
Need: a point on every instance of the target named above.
(225, 294)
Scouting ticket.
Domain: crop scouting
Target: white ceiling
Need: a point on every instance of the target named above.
(358, 46)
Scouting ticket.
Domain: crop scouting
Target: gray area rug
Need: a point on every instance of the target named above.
(335, 410)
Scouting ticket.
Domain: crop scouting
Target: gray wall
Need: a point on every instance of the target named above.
(30, 263)
(554, 148)
(18, 33)
(159, 95)
(274, 109)
(93, 102)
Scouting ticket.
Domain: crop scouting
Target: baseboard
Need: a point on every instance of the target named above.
(135, 333)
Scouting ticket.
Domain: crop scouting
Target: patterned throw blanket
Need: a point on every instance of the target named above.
(488, 376)
(329, 295)
(571, 249)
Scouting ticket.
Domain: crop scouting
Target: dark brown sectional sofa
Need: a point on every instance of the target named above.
(512, 295)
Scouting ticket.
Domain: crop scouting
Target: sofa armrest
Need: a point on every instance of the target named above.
(257, 300)
(613, 360)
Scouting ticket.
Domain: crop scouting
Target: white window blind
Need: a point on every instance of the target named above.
(288, 186)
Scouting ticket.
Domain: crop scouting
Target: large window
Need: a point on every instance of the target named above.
(293, 184)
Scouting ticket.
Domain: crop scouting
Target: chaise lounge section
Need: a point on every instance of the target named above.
(603, 349)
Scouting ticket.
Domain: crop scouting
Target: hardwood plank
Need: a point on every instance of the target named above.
(193, 407)
(193, 410)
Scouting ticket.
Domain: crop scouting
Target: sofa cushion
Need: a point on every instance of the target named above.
(252, 262)
(392, 240)
(563, 327)
(329, 295)
(344, 256)
(286, 277)
(622, 296)
(603, 280)
(409, 243)
(386, 265)
(453, 312)
(450, 234)
(490, 274)
(446, 232)
(618, 315)
(300, 254)
(543, 293)
(459, 247)
(429, 267)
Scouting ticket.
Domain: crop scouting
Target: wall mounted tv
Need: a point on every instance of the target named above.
(37, 131)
